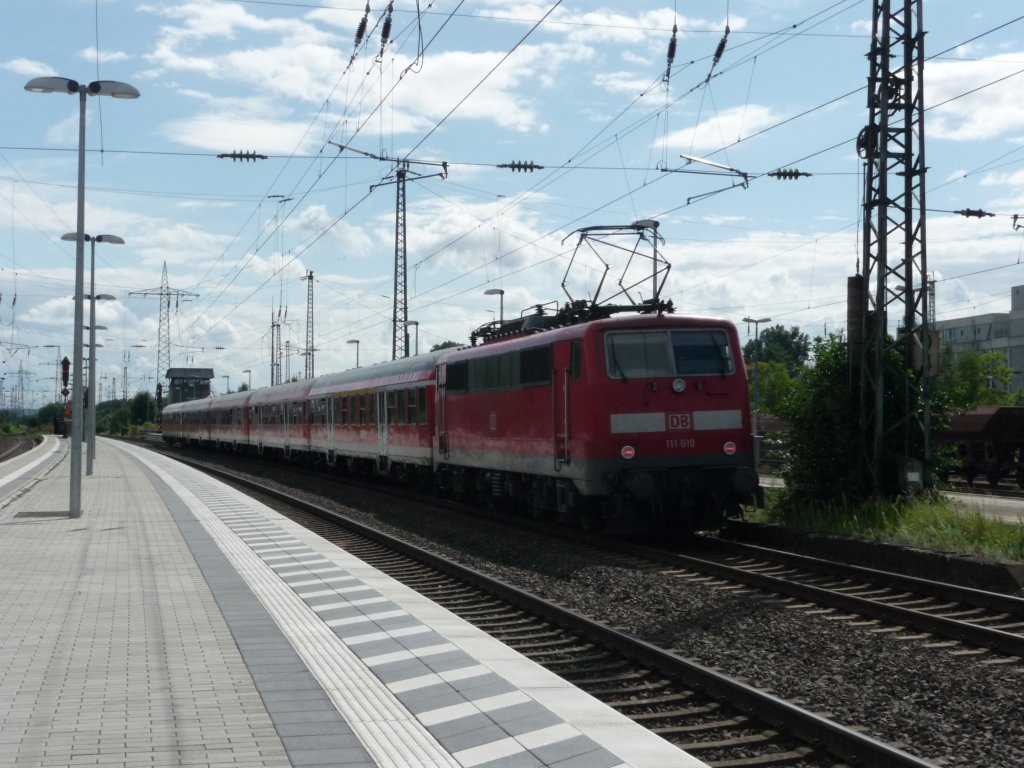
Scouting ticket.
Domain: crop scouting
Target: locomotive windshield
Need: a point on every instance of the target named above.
(644, 354)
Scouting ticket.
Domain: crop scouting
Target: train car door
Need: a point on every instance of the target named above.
(332, 401)
(382, 427)
(256, 425)
(440, 437)
(561, 375)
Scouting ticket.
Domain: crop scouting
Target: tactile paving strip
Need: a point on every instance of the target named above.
(411, 696)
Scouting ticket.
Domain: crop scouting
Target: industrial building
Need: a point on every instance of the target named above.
(991, 332)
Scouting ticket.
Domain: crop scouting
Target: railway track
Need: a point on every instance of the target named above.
(720, 720)
(962, 620)
(969, 620)
(15, 445)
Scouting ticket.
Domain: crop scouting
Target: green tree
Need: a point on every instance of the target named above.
(972, 379)
(777, 345)
(112, 417)
(142, 408)
(823, 432)
(48, 413)
(774, 384)
(445, 345)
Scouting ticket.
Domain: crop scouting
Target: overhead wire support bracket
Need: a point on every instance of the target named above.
(400, 313)
(720, 170)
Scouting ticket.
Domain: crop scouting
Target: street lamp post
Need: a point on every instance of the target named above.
(90, 407)
(356, 342)
(415, 324)
(116, 90)
(757, 384)
(500, 292)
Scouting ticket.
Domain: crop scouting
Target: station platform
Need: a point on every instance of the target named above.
(178, 622)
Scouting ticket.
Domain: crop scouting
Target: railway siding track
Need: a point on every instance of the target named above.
(14, 445)
(985, 620)
(719, 719)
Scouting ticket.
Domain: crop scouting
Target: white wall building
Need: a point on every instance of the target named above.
(992, 332)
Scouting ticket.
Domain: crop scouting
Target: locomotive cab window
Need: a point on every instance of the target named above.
(645, 354)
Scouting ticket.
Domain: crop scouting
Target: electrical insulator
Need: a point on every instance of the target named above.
(361, 29)
(974, 212)
(243, 156)
(522, 165)
(385, 33)
(721, 47)
(788, 173)
(671, 53)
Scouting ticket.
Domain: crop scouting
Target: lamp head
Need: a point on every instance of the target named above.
(51, 85)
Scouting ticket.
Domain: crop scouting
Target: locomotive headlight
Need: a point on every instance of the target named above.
(678, 386)
(729, 448)
(628, 452)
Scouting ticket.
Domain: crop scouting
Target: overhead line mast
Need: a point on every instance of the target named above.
(400, 313)
(894, 413)
(164, 292)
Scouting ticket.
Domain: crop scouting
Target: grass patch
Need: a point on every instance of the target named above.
(929, 522)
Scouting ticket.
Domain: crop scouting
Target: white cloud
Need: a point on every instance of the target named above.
(104, 57)
(28, 67)
(728, 126)
(978, 106)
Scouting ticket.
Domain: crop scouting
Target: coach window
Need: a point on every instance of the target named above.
(457, 377)
(371, 400)
(422, 405)
(535, 366)
(390, 397)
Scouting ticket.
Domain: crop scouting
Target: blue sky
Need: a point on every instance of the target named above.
(577, 87)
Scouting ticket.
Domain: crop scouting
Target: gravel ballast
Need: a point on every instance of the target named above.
(953, 710)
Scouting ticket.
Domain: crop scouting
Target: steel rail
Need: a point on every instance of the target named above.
(836, 739)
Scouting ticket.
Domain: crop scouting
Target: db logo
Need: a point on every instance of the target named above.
(679, 421)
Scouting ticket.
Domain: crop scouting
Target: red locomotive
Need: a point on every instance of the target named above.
(583, 413)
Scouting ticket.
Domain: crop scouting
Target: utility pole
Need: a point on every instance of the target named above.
(164, 293)
(309, 325)
(400, 311)
(275, 347)
(894, 415)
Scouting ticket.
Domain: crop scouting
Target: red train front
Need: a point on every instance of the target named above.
(645, 416)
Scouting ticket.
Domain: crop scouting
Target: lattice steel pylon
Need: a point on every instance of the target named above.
(894, 408)
(400, 334)
(164, 292)
(310, 368)
(400, 313)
